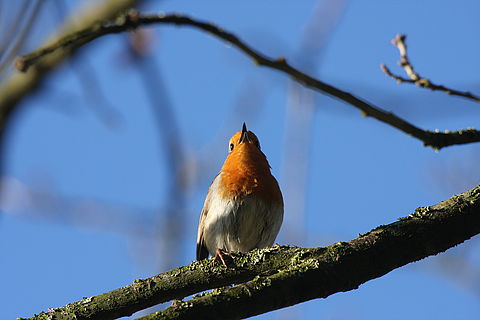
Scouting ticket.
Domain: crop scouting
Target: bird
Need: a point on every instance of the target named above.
(243, 209)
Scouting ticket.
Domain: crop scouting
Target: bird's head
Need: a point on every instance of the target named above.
(243, 141)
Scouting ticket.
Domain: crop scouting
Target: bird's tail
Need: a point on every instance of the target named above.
(202, 251)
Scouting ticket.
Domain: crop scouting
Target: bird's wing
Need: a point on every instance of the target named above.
(202, 250)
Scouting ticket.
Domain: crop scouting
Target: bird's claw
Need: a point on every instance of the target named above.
(223, 256)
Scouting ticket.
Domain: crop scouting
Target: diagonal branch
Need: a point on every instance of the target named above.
(414, 77)
(133, 20)
(278, 277)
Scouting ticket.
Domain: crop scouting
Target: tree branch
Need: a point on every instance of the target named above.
(414, 77)
(278, 277)
(14, 89)
(133, 20)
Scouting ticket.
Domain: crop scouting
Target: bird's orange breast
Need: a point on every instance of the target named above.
(246, 172)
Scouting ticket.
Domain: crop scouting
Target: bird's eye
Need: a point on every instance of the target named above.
(231, 147)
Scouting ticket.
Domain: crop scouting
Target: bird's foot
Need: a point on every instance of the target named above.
(223, 256)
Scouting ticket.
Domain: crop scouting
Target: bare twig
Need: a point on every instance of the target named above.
(133, 20)
(278, 277)
(414, 77)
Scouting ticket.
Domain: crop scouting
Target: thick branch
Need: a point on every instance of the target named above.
(414, 77)
(436, 140)
(277, 277)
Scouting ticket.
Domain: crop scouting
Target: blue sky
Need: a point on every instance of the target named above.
(84, 211)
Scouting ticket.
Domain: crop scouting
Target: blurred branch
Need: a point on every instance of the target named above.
(300, 120)
(457, 268)
(170, 140)
(45, 202)
(133, 20)
(278, 277)
(414, 77)
(8, 34)
(88, 81)
(15, 88)
(20, 33)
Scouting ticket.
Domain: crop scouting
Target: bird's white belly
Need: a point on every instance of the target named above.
(241, 225)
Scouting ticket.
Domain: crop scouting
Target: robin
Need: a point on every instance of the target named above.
(243, 209)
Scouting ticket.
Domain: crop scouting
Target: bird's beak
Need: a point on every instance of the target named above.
(244, 137)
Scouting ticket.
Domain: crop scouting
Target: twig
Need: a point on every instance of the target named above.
(278, 277)
(414, 77)
(133, 20)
